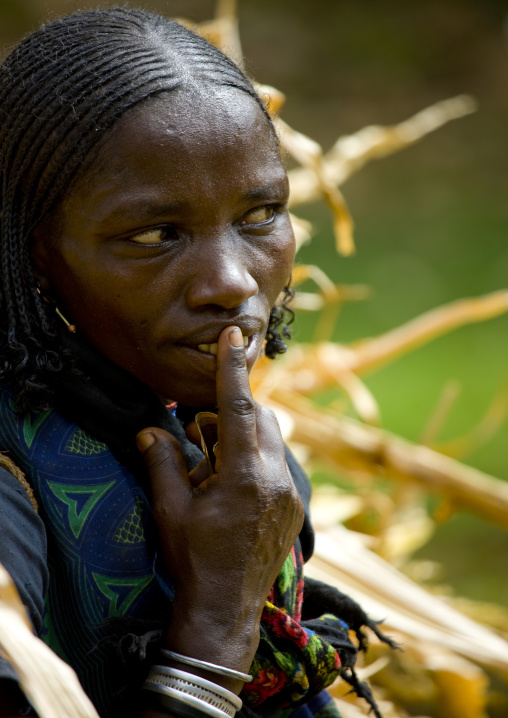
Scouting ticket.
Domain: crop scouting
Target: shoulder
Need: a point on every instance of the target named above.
(8, 465)
(23, 545)
(16, 496)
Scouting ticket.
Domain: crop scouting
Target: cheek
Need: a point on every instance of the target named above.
(97, 301)
(116, 324)
(282, 260)
(118, 316)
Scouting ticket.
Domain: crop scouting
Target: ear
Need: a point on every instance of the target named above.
(40, 256)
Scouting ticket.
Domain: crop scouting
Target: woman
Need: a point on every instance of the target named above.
(145, 242)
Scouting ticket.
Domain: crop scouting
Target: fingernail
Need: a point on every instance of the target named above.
(145, 441)
(236, 338)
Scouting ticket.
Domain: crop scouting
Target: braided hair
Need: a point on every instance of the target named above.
(61, 90)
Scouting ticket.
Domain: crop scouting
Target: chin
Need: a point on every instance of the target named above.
(199, 398)
(203, 403)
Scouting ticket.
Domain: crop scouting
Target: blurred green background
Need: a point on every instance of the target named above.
(431, 222)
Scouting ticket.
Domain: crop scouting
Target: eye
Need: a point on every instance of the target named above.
(260, 215)
(154, 236)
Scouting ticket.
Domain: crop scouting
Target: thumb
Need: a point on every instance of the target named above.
(165, 463)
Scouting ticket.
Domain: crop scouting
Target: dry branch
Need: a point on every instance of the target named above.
(329, 359)
(351, 153)
(50, 684)
(371, 353)
(341, 560)
(310, 154)
(352, 446)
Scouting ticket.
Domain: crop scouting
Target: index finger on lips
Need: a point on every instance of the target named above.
(237, 409)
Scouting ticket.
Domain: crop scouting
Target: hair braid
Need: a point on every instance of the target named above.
(61, 89)
(274, 338)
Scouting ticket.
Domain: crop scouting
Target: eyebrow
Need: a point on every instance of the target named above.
(276, 188)
(147, 209)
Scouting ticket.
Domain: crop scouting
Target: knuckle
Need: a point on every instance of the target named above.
(243, 405)
(292, 495)
(299, 512)
(162, 458)
(294, 502)
(161, 510)
(160, 464)
(159, 458)
(237, 361)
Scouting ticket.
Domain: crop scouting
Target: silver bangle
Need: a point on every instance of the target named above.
(194, 691)
(212, 667)
(156, 699)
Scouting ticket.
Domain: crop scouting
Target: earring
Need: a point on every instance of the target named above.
(70, 327)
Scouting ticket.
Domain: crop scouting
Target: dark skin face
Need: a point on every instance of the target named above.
(178, 230)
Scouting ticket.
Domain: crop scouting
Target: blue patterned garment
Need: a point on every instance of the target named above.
(102, 560)
(102, 543)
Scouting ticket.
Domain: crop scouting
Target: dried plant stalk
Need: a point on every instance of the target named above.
(342, 561)
(449, 396)
(487, 427)
(325, 361)
(273, 99)
(351, 153)
(310, 154)
(372, 353)
(50, 684)
(352, 446)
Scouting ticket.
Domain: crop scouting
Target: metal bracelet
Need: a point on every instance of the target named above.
(212, 667)
(154, 698)
(194, 691)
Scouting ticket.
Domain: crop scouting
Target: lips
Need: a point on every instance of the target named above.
(202, 358)
(212, 348)
(204, 340)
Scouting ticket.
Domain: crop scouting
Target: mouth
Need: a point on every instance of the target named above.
(203, 357)
(212, 348)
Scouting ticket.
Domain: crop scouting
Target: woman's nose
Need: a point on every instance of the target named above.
(221, 279)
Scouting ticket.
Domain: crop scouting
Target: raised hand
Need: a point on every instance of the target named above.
(224, 536)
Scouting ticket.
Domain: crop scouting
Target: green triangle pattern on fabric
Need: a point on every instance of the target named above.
(121, 592)
(31, 424)
(84, 445)
(79, 500)
(131, 529)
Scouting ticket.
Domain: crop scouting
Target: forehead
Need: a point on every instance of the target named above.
(195, 153)
(193, 128)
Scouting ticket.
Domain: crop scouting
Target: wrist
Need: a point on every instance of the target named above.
(223, 639)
